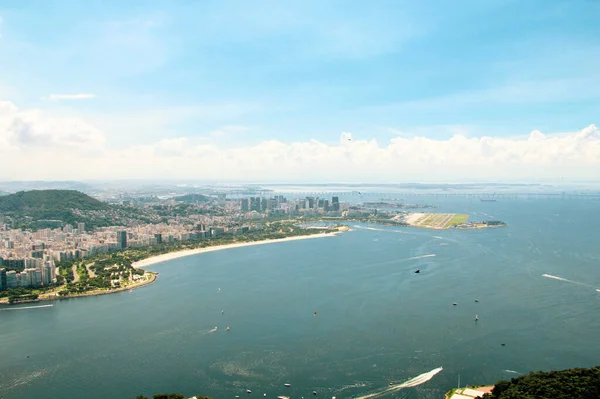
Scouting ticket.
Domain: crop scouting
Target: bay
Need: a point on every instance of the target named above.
(377, 321)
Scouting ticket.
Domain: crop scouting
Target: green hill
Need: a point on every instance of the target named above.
(49, 208)
(578, 383)
(49, 201)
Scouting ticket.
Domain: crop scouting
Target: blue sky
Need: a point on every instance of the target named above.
(236, 73)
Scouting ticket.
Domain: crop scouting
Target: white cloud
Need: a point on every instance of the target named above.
(36, 145)
(33, 129)
(57, 97)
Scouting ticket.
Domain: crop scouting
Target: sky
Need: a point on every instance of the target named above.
(300, 91)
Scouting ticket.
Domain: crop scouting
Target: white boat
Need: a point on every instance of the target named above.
(287, 385)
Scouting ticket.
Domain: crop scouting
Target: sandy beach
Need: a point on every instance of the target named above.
(179, 254)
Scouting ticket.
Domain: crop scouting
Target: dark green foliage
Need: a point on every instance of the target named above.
(21, 298)
(38, 209)
(47, 202)
(578, 383)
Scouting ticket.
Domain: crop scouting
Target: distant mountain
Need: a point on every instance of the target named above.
(54, 208)
(578, 383)
(192, 198)
(14, 186)
(49, 201)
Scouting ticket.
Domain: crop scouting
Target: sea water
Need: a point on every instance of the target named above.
(377, 322)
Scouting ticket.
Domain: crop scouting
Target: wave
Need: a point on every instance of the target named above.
(413, 382)
(28, 307)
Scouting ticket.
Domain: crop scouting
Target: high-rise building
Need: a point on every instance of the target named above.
(11, 279)
(158, 237)
(3, 283)
(335, 203)
(245, 206)
(263, 204)
(121, 239)
(81, 228)
(311, 202)
(255, 204)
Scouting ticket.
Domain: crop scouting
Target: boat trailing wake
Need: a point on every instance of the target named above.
(567, 280)
(511, 371)
(421, 257)
(413, 382)
(29, 307)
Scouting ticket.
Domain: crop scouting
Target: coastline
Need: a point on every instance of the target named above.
(53, 296)
(187, 252)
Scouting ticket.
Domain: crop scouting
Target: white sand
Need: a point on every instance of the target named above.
(187, 252)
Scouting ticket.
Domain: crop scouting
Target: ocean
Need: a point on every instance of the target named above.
(376, 321)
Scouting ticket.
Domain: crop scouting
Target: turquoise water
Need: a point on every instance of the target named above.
(377, 321)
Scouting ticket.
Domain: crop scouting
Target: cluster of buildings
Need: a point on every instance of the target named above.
(279, 205)
(28, 259)
(36, 273)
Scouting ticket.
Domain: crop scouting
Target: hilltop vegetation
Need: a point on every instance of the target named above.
(55, 208)
(578, 383)
(48, 201)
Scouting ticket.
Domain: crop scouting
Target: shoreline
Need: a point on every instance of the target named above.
(175, 255)
(188, 252)
(54, 297)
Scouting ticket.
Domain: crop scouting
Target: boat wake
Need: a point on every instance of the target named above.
(28, 307)
(413, 382)
(511, 371)
(421, 257)
(212, 330)
(567, 280)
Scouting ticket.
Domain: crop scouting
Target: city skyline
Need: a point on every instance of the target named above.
(306, 92)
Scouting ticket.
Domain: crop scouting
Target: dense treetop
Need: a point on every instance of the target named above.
(49, 201)
(578, 383)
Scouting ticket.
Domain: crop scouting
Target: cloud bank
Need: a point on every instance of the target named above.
(35, 145)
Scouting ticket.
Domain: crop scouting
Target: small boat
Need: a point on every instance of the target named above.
(287, 385)
(248, 391)
(315, 393)
(476, 300)
(418, 271)
(228, 328)
(476, 317)
(454, 303)
(315, 313)
(283, 397)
